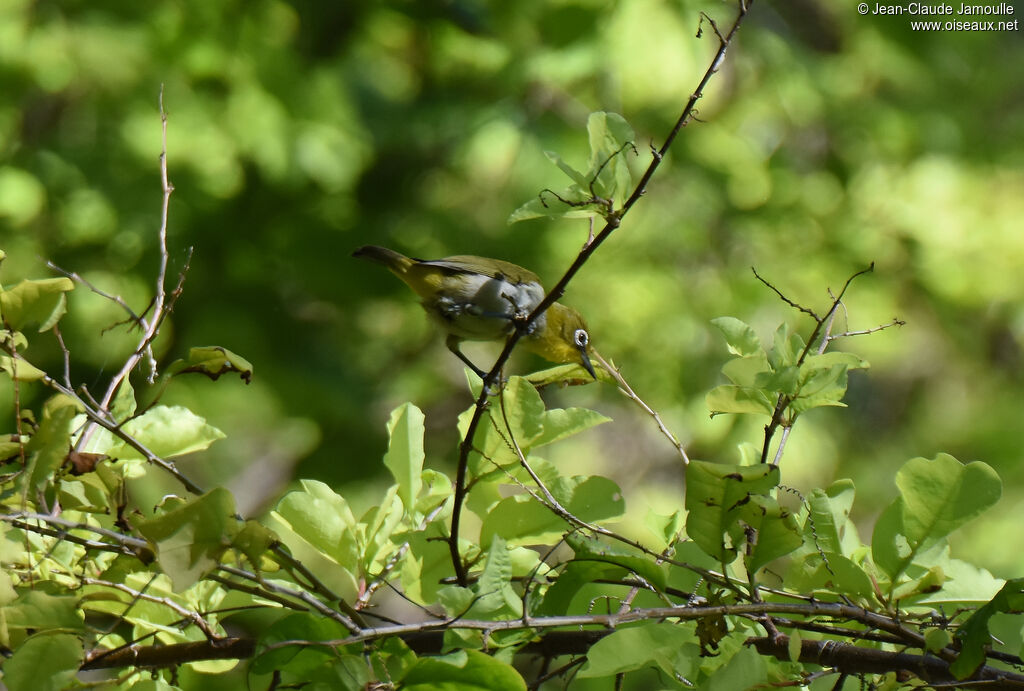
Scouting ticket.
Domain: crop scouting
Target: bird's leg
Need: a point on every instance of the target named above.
(453, 342)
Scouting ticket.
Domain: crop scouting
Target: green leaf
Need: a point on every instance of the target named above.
(574, 175)
(44, 662)
(376, 531)
(523, 417)
(495, 597)
(463, 670)
(41, 302)
(253, 540)
(212, 361)
(167, 431)
(608, 176)
(609, 134)
(828, 516)
(745, 670)
(974, 634)
(404, 457)
(738, 399)
(890, 549)
(521, 519)
(320, 531)
(785, 380)
(35, 609)
(786, 348)
(965, 584)
(571, 580)
(820, 387)
(942, 494)
(670, 647)
(778, 533)
(124, 405)
(594, 548)
(85, 493)
(936, 639)
(937, 497)
(558, 424)
(838, 576)
(834, 358)
(20, 369)
(745, 371)
(571, 374)
(50, 445)
(189, 539)
(716, 495)
(296, 659)
(425, 564)
(741, 338)
(666, 529)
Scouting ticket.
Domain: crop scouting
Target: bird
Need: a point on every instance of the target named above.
(481, 299)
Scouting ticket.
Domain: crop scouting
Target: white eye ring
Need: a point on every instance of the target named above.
(581, 338)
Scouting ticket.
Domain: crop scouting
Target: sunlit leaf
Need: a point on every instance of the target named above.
(404, 457)
(41, 302)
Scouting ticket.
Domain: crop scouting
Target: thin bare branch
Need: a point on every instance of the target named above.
(627, 390)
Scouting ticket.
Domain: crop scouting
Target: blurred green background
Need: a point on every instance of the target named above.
(301, 130)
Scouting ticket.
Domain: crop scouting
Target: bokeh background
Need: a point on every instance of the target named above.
(300, 130)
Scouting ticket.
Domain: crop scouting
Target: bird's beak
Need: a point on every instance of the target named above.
(585, 361)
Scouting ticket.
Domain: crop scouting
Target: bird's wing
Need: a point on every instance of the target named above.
(492, 268)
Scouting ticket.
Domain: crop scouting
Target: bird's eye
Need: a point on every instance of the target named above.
(581, 338)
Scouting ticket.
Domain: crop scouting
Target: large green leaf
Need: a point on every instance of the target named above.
(778, 533)
(167, 431)
(936, 497)
(296, 659)
(426, 562)
(40, 611)
(404, 457)
(44, 662)
(716, 498)
(320, 531)
(190, 538)
(670, 647)
(41, 302)
(521, 519)
(740, 337)
(495, 597)
(50, 445)
(463, 670)
(744, 670)
(522, 416)
(974, 634)
(605, 550)
(738, 399)
(828, 518)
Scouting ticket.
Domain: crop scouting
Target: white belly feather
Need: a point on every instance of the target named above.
(482, 308)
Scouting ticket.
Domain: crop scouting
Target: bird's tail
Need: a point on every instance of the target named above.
(395, 261)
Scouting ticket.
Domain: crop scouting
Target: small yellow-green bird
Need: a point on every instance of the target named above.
(479, 299)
